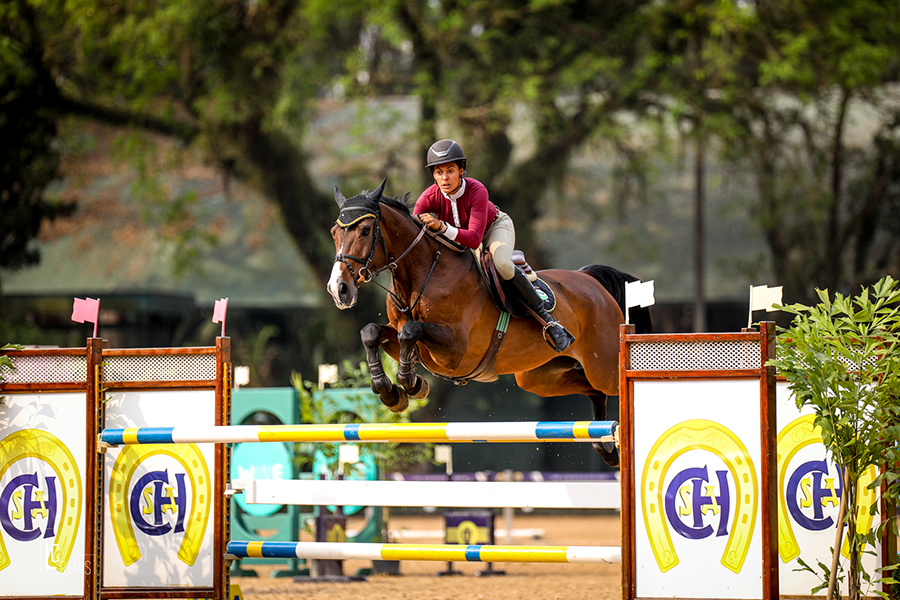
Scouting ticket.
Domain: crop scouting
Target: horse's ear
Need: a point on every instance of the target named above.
(339, 197)
(380, 191)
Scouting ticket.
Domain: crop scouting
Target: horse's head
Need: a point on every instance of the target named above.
(356, 239)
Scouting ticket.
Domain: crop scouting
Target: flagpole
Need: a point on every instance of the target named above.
(750, 318)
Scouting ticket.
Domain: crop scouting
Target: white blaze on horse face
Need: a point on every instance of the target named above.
(342, 289)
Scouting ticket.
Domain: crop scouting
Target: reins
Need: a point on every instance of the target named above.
(351, 215)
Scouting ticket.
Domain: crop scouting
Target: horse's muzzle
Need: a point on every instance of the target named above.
(344, 295)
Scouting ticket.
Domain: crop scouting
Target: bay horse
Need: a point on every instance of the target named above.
(441, 313)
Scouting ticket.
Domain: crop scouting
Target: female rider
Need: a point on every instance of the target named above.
(458, 208)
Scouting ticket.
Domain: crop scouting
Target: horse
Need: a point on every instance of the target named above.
(441, 313)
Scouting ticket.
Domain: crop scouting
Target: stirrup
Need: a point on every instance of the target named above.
(567, 338)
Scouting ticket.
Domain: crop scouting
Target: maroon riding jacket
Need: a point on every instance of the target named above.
(476, 211)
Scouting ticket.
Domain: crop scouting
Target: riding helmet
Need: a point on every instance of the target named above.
(445, 151)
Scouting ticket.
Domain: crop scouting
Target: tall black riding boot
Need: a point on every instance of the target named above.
(555, 334)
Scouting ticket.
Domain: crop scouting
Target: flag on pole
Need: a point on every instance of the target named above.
(763, 297)
(638, 293)
(87, 310)
(219, 313)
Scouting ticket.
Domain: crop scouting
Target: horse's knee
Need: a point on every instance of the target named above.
(371, 335)
(410, 333)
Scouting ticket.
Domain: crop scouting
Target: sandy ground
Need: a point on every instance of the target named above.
(417, 579)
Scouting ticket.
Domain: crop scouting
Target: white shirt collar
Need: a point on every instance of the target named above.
(455, 196)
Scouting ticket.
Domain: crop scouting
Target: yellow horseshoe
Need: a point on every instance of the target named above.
(864, 499)
(36, 443)
(796, 435)
(699, 434)
(201, 494)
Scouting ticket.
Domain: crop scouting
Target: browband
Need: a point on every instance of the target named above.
(354, 214)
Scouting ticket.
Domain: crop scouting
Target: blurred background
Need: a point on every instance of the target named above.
(160, 155)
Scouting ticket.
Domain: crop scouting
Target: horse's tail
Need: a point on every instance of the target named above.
(614, 281)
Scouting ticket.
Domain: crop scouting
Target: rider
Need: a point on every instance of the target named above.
(458, 207)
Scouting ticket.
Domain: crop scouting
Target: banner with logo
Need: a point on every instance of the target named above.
(697, 483)
(42, 494)
(159, 511)
(809, 486)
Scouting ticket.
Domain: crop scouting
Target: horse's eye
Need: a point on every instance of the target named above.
(366, 230)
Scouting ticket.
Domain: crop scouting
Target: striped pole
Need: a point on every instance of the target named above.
(560, 431)
(444, 553)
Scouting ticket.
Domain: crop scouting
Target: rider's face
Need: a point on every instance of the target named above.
(448, 177)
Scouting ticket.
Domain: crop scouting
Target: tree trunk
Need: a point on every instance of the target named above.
(852, 513)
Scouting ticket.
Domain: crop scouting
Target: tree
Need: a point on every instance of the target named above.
(787, 88)
(566, 63)
(28, 159)
(236, 79)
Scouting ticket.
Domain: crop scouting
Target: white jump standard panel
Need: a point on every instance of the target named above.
(448, 494)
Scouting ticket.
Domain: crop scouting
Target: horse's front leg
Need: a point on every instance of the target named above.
(392, 396)
(410, 334)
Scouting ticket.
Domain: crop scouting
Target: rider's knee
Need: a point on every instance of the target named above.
(503, 261)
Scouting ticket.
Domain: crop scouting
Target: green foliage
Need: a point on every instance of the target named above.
(841, 357)
(316, 407)
(29, 160)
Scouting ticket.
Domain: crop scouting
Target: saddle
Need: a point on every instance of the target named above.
(503, 292)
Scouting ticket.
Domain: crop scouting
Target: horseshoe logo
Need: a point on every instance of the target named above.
(42, 445)
(795, 436)
(201, 495)
(700, 434)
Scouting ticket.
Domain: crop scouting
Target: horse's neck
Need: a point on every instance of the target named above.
(413, 270)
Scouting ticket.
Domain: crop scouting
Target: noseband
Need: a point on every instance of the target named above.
(354, 214)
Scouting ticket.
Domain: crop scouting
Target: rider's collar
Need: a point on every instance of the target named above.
(354, 214)
(456, 195)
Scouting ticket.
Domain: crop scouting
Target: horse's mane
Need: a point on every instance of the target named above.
(400, 203)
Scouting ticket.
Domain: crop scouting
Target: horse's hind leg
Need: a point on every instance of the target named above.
(607, 450)
(392, 396)
(414, 384)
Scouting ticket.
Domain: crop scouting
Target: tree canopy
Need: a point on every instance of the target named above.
(771, 86)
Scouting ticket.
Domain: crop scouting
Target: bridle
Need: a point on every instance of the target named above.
(351, 215)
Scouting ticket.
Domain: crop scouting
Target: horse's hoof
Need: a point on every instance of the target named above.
(395, 399)
(402, 404)
(421, 391)
(608, 452)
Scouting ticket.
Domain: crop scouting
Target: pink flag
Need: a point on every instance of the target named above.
(219, 313)
(86, 310)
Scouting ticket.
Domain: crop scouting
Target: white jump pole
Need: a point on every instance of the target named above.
(459, 494)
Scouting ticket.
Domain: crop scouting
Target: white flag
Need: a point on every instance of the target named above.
(763, 297)
(639, 293)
